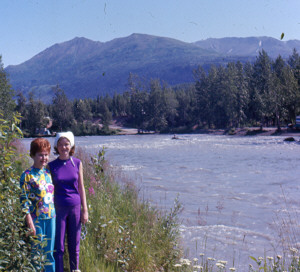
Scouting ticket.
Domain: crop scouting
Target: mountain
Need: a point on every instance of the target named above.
(250, 46)
(86, 68)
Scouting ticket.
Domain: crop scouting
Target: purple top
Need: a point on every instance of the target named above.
(65, 177)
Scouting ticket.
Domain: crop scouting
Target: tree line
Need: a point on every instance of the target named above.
(263, 93)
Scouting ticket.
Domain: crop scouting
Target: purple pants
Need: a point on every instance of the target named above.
(67, 221)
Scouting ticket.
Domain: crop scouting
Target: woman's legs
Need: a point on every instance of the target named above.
(67, 219)
(50, 236)
(73, 236)
(45, 229)
(61, 222)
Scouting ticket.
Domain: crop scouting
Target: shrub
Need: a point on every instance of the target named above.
(14, 244)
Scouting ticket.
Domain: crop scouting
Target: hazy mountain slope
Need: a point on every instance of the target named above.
(85, 68)
(250, 46)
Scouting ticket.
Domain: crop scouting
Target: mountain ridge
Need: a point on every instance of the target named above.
(86, 68)
(249, 46)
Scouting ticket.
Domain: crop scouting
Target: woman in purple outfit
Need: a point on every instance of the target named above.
(69, 200)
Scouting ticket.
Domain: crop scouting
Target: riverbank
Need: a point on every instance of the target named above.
(246, 131)
(251, 131)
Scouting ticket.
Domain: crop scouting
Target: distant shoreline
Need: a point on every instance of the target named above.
(252, 131)
(247, 131)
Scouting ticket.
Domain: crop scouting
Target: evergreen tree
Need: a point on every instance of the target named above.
(217, 95)
(82, 110)
(294, 62)
(22, 108)
(250, 107)
(260, 89)
(285, 95)
(226, 96)
(157, 119)
(204, 98)
(187, 105)
(36, 115)
(62, 110)
(170, 105)
(138, 108)
(278, 90)
(119, 105)
(7, 104)
(106, 116)
(242, 95)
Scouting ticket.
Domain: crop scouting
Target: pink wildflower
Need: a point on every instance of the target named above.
(91, 191)
(93, 180)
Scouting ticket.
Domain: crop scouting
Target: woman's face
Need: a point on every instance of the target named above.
(64, 147)
(40, 159)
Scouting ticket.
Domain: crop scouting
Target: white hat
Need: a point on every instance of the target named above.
(69, 135)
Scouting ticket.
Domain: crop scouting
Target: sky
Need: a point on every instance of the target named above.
(28, 27)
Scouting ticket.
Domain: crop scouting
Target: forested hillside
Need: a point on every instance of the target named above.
(84, 68)
(87, 69)
(263, 93)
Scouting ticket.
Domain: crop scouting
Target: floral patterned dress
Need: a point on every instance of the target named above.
(37, 193)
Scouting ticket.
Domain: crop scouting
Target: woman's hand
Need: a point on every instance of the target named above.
(30, 225)
(84, 216)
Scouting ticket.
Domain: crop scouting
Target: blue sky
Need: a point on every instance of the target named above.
(28, 27)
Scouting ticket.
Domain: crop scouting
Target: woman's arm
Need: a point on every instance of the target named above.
(84, 211)
(30, 224)
(25, 203)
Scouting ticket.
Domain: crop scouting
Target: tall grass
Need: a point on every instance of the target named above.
(125, 233)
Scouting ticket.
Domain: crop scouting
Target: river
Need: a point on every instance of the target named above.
(234, 190)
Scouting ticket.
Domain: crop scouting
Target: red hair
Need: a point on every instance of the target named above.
(39, 145)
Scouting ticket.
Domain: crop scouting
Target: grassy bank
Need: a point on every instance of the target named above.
(125, 231)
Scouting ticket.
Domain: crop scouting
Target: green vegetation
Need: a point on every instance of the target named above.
(7, 104)
(14, 243)
(263, 93)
